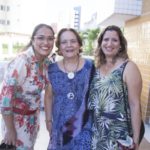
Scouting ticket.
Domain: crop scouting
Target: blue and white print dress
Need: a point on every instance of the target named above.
(68, 130)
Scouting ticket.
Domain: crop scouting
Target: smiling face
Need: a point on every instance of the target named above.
(110, 44)
(43, 42)
(69, 45)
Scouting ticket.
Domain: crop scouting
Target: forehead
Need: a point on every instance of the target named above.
(44, 31)
(111, 33)
(68, 35)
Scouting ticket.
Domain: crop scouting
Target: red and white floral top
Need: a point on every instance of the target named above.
(23, 82)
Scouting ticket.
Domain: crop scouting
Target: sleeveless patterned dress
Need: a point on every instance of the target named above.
(107, 100)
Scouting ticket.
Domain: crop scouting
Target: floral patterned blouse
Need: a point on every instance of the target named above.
(22, 84)
(23, 81)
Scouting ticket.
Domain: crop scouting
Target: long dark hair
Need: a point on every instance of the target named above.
(39, 26)
(122, 53)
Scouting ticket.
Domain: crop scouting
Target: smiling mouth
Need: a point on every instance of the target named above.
(45, 48)
(69, 50)
(109, 50)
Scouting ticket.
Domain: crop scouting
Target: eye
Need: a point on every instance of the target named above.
(50, 38)
(73, 41)
(40, 38)
(115, 40)
(106, 39)
(63, 42)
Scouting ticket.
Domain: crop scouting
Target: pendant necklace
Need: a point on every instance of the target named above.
(70, 95)
(71, 74)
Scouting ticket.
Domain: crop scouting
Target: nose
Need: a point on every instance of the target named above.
(69, 43)
(46, 41)
(109, 42)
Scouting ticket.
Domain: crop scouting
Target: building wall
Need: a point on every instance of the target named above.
(146, 6)
(138, 35)
(4, 11)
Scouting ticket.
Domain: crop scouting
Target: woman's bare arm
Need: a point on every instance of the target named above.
(48, 107)
(133, 80)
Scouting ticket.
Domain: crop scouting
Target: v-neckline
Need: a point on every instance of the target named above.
(113, 70)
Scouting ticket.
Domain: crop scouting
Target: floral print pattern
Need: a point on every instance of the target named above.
(22, 86)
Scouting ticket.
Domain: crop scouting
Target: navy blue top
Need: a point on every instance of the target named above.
(65, 109)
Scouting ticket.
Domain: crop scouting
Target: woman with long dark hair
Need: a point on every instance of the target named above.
(25, 79)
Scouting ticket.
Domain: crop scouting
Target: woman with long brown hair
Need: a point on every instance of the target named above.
(115, 94)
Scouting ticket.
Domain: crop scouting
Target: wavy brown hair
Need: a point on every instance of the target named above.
(57, 43)
(122, 53)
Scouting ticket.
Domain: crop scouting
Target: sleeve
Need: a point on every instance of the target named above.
(15, 75)
(46, 65)
(46, 79)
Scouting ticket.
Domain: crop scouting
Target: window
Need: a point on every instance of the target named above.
(8, 22)
(2, 7)
(2, 21)
(7, 8)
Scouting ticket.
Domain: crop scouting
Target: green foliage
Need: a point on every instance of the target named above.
(89, 36)
(16, 48)
(4, 48)
(92, 34)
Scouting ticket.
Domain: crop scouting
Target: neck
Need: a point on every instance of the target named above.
(71, 64)
(39, 57)
(71, 60)
(110, 61)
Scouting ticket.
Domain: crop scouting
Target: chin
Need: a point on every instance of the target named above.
(45, 54)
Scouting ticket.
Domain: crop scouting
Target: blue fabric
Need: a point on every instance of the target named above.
(64, 108)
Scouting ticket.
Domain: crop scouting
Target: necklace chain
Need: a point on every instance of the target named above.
(70, 75)
(77, 65)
